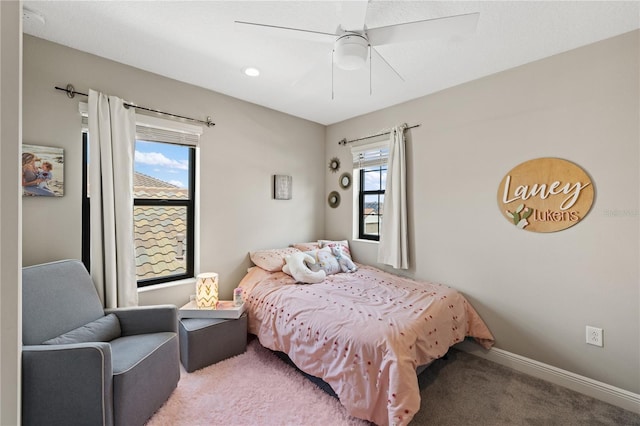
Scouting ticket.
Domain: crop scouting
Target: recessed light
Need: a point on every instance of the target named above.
(252, 72)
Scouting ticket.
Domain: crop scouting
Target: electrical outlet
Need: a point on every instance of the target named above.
(594, 336)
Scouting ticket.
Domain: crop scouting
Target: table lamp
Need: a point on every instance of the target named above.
(207, 290)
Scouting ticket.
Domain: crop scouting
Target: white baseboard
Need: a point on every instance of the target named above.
(593, 388)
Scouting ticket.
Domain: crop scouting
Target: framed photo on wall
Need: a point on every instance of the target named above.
(42, 171)
(282, 187)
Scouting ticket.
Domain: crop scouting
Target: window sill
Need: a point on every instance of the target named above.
(359, 240)
(172, 284)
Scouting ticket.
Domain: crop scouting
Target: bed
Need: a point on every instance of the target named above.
(364, 333)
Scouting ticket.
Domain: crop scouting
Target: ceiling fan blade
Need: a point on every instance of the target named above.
(353, 14)
(276, 31)
(387, 63)
(423, 30)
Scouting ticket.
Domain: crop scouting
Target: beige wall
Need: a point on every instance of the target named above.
(10, 257)
(237, 160)
(537, 292)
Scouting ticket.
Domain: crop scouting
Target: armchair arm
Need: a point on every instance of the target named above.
(67, 384)
(146, 319)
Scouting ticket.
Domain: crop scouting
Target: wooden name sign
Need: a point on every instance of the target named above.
(545, 195)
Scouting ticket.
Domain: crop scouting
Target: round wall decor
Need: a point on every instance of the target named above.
(545, 195)
(334, 164)
(345, 180)
(333, 199)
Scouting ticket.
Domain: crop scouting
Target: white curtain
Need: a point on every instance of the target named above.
(393, 248)
(112, 130)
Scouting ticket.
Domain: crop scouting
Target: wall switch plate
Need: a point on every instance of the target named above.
(594, 336)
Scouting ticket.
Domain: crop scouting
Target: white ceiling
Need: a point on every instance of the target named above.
(197, 42)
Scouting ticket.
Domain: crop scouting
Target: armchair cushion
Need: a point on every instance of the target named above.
(152, 359)
(103, 329)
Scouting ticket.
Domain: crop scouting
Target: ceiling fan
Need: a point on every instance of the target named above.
(353, 42)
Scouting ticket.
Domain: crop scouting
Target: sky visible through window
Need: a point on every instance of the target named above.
(164, 161)
(372, 178)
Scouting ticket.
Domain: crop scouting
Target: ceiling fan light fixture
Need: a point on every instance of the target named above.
(351, 51)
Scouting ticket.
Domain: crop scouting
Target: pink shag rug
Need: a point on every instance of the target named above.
(254, 388)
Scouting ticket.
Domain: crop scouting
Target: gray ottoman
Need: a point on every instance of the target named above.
(205, 341)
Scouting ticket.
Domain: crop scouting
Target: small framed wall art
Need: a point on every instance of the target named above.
(282, 187)
(42, 171)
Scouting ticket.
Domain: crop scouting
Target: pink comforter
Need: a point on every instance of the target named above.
(364, 333)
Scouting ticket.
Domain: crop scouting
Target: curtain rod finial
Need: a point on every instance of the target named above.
(342, 141)
(209, 122)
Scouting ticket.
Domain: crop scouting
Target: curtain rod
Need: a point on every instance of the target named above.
(345, 141)
(71, 93)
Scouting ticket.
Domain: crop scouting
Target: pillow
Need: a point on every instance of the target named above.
(297, 265)
(325, 260)
(331, 243)
(271, 260)
(103, 329)
(306, 246)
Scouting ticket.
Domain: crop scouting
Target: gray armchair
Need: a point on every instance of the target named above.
(82, 364)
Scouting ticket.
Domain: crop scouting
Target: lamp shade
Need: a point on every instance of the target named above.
(207, 290)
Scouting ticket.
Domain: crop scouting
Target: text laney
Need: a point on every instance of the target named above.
(543, 191)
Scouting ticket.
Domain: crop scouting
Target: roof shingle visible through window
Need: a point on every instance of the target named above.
(159, 229)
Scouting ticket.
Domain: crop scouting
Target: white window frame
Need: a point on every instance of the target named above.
(366, 154)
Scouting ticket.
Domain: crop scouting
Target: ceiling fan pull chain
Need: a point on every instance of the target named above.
(370, 68)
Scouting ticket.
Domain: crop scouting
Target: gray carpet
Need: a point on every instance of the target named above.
(464, 389)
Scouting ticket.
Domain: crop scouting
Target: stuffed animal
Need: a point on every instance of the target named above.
(346, 264)
(296, 267)
(324, 260)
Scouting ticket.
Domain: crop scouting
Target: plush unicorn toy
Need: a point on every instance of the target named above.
(346, 264)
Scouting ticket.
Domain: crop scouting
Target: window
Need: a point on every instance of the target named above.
(164, 205)
(163, 211)
(371, 201)
(371, 161)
